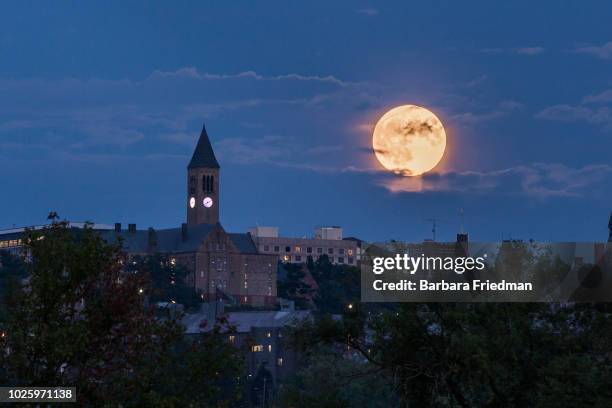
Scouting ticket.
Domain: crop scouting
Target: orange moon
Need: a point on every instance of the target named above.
(409, 140)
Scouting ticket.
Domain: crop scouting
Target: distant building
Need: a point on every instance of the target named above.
(261, 335)
(327, 241)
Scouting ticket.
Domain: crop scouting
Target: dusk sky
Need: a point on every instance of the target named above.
(101, 107)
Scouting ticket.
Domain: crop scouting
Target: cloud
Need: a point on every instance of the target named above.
(503, 108)
(367, 11)
(569, 113)
(539, 180)
(160, 112)
(602, 97)
(565, 113)
(527, 51)
(193, 73)
(599, 51)
(286, 152)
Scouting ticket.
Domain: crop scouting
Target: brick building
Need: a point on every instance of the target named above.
(221, 262)
(326, 241)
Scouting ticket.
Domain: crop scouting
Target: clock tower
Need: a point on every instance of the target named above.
(203, 184)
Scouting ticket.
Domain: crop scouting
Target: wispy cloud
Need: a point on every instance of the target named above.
(599, 51)
(569, 113)
(95, 116)
(502, 109)
(367, 11)
(278, 151)
(540, 180)
(602, 97)
(527, 51)
(191, 72)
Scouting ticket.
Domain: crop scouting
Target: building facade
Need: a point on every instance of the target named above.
(326, 241)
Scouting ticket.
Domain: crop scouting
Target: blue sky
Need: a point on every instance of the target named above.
(101, 106)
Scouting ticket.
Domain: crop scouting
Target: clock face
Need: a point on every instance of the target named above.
(192, 202)
(208, 202)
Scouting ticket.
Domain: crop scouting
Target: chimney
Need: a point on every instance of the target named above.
(462, 237)
(117, 227)
(132, 228)
(184, 232)
(152, 239)
(462, 245)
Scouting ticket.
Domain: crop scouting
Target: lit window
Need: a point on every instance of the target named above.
(269, 334)
(257, 349)
(246, 299)
(298, 249)
(279, 362)
(286, 258)
(350, 252)
(232, 339)
(269, 348)
(246, 286)
(173, 261)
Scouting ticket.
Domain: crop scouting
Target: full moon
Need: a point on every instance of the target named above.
(409, 140)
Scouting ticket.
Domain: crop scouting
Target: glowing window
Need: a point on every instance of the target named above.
(257, 349)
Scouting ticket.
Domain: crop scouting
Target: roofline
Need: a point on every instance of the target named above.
(80, 225)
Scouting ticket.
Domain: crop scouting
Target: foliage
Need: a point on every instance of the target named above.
(330, 379)
(293, 287)
(167, 280)
(475, 355)
(79, 319)
(339, 285)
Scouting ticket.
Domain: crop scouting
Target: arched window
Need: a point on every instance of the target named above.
(208, 184)
(192, 185)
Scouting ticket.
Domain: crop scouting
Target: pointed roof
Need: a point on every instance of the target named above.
(203, 156)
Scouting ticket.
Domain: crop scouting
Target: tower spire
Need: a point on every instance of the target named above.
(203, 156)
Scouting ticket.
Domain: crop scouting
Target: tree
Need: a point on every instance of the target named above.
(331, 380)
(293, 286)
(339, 285)
(79, 319)
(168, 281)
(479, 354)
